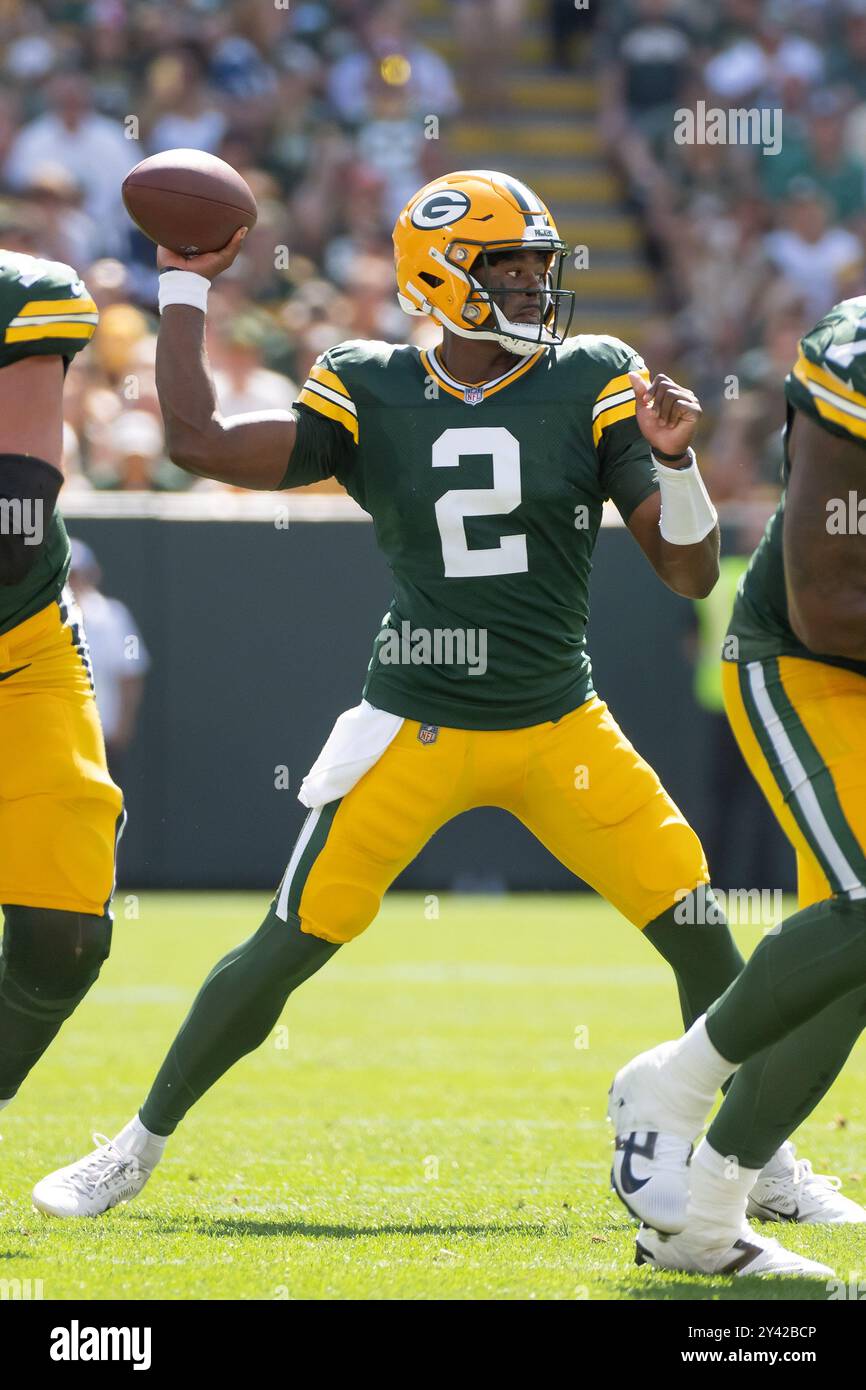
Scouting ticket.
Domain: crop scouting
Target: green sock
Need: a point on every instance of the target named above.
(234, 1011)
(815, 957)
(704, 958)
(775, 1090)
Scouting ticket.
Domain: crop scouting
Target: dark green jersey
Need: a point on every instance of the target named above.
(486, 503)
(44, 309)
(828, 383)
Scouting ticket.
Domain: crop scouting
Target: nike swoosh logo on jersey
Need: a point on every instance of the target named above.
(629, 1147)
(4, 675)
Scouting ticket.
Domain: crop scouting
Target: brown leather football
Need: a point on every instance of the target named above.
(188, 201)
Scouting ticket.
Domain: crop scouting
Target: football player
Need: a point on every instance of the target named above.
(484, 463)
(60, 812)
(795, 692)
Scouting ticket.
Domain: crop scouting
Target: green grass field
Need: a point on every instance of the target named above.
(425, 1128)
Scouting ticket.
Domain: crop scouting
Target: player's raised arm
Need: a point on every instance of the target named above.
(677, 527)
(251, 451)
(825, 557)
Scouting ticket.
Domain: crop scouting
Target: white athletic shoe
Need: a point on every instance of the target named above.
(650, 1162)
(788, 1190)
(93, 1185)
(650, 1175)
(748, 1254)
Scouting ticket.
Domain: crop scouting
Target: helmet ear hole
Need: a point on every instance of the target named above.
(434, 281)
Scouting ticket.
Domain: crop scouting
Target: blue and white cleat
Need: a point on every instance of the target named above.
(649, 1174)
(653, 1145)
(653, 1148)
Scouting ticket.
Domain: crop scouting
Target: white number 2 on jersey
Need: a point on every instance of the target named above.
(509, 556)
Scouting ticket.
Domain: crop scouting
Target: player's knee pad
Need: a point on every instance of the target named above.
(670, 858)
(50, 959)
(338, 912)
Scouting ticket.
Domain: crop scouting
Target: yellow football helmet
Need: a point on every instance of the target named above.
(449, 229)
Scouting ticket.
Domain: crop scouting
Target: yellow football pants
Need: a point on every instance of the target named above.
(60, 812)
(577, 784)
(801, 727)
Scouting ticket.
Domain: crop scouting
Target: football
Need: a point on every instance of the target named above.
(188, 201)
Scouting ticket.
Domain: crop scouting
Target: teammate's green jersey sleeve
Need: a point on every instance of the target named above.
(45, 308)
(828, 380)
(827, 383)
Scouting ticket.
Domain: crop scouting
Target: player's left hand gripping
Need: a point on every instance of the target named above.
(666, 413)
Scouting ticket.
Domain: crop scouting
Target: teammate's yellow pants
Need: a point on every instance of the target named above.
(577, 784)
(801, 727)
(60, 812)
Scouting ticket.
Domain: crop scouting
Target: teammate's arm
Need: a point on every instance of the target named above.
(31, 408)
(31, 446)
(667, 415)
(250, 451)
(825, 572)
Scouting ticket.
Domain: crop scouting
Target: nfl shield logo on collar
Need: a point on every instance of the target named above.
(473, 394)
(428, 733)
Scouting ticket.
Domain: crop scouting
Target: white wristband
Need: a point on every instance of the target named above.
(688, 515)
(183, 287)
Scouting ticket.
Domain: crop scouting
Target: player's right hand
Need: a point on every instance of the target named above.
(209, 263)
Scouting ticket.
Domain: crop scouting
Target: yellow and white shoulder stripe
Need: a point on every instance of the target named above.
(53, 318)
(834, 400)
(615, 401)
(324, 391)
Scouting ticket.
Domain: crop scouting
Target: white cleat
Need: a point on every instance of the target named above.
(650, 1175)
(93, 1185)
(748, 1254)
(788, 1190)
(653, 1148)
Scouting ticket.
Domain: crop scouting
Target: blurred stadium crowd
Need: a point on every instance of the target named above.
(750, 249)
(325, 109)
